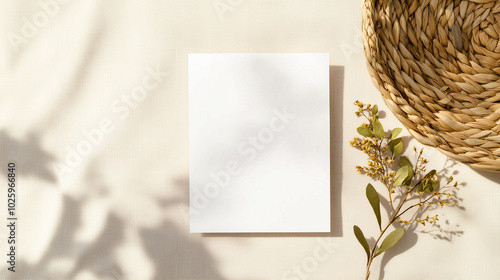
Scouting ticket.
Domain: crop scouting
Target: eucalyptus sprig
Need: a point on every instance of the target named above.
(408, 185)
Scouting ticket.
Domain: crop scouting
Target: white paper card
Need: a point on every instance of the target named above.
(259, 140)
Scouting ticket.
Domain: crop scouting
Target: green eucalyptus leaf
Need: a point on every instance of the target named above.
(365, 131)
(403, 161)
(409, 178)
(374, 200)
(401, 175)
(396, 146)
(422, 185)
(378, 128)
(432, 186)
(395, 132)
(390, 240)
(426, 184)
(362, 240)
(431, 174)
(429, 186)
(375, 110)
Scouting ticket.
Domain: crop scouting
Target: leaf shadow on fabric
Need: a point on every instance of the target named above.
(28, 155)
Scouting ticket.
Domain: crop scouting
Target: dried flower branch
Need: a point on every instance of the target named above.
(408, 185)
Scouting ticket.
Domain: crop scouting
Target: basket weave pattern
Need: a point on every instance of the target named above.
(437, 65)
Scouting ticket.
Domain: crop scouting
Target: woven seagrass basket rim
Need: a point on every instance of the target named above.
(437, 66)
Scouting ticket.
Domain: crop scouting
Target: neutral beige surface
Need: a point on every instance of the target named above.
(121, 212)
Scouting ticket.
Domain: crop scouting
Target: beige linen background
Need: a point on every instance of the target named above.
(94, 111)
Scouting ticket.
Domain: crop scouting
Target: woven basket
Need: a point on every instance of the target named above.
(437, 65)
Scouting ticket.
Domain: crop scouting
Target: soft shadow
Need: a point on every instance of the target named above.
(493, 177)
(409, 240)
(437, 230)
(28, 155)
(336, 154)
(61, 247)
(406, 142)
(171, 251)
(176, 256)
(98, 256)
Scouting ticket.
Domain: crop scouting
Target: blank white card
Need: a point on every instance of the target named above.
(259, 140)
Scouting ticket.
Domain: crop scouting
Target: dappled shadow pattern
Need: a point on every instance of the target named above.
(173, 254)
(28, 155)
(438, 231)
(176, 256)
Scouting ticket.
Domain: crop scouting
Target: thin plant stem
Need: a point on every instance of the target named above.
(394, 217)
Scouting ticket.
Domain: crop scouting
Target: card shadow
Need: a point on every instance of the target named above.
(336, 78)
